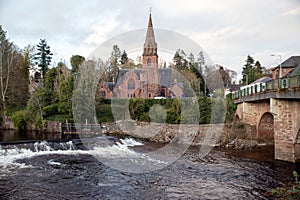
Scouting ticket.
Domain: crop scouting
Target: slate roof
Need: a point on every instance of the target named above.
(110, 85)
(294, 72)
(292, 61)
(262, 80)
(122, 72)
(165, 75)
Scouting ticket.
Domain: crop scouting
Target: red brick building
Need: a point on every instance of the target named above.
(287, 66)
(146, 82)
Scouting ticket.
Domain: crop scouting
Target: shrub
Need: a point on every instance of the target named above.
(290, 191)
(20, 118)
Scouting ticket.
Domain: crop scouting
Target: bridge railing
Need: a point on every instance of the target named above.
(272, 85)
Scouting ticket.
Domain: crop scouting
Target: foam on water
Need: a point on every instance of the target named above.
(9, 156)
(130, 142)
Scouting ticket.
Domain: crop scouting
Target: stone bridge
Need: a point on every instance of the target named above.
(274, 110)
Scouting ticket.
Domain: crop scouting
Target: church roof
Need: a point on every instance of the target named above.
(110, 85)
(165, 75)
(121, 75)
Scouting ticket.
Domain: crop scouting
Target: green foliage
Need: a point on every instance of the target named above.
(231, 108)
(291, 191)
(20, 118)
(43, 56)
(75, 61)
(124, 58)
(205, 110)
(251, 71)
(14, 73)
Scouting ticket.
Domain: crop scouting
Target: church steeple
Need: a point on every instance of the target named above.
(150, 57)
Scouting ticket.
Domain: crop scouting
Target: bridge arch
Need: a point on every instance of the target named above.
(265, 129)
(297, 145)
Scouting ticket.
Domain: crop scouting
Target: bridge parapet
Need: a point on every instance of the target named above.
(280, 88)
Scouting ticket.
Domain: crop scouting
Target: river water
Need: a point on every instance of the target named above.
(67, 170)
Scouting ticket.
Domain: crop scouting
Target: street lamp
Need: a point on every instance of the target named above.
(280, 60)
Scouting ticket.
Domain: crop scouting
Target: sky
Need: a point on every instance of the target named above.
(228, 30)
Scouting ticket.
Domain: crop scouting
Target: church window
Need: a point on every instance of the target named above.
(102, 94)
(131, 84)
(149, 63)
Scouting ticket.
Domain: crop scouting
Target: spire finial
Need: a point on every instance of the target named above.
(150, 9)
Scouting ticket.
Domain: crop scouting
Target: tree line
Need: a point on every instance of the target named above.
(47, 95)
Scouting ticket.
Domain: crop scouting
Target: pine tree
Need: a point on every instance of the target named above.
(248, 70)
(114, 63)
(43, 57)
(124, 58)
(76, 60)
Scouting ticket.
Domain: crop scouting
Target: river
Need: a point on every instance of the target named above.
(67, 170)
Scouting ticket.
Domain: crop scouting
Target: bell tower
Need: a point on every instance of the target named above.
(150, 57)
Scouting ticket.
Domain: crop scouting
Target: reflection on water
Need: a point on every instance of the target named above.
(16, 135)
(49, 170)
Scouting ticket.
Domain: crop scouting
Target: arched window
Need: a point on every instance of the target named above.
(149, 63)
(131, 84)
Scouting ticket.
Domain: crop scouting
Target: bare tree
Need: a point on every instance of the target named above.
(6, 62)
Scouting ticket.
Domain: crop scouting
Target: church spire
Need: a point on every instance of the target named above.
(150, 45)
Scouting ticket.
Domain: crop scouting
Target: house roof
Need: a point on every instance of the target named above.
(293, 72)
(262, 80)
(291, 62)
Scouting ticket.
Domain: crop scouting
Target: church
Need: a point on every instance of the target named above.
(150, 81)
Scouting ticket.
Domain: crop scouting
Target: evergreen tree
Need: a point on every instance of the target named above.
(124, 58)
(75, 61)
(43, 57)
(248, 70)
(179, 60)
(191, 61)
(114, 63)
(251, 71)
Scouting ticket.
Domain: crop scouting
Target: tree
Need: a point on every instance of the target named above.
(225, 76)
(6, 62)
(113, 68)
(179, 60)
(248, 70)
(191, 61)
(75, 61)
(251, 71)
(43, 57)
(124, 58)
(14, 74)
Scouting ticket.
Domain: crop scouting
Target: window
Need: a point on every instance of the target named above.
(149, 63)
(131, 84)
(102, 94)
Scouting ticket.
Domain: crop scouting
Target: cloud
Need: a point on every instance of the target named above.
(227, 30)
(293, 12)
(101, 30)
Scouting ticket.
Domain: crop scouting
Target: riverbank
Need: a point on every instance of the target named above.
(226, 136)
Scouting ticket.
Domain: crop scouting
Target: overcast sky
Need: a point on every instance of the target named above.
(228, 30)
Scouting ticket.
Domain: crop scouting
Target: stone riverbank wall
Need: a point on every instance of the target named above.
(211, 134)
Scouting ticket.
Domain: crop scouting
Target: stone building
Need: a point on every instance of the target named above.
(150, 81)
